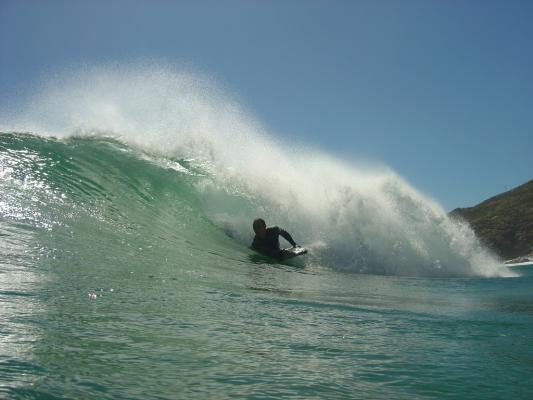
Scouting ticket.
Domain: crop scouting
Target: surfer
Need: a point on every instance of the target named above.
(266, 240)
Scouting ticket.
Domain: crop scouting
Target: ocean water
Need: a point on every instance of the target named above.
(126, 201)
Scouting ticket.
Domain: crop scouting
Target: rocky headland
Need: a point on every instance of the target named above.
(504, 222)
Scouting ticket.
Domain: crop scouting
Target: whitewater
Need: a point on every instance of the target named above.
(127, 196)
(359, 218)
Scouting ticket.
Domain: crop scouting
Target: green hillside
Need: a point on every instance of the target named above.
(504, 222)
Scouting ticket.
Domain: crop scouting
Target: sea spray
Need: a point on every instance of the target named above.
(357, 218)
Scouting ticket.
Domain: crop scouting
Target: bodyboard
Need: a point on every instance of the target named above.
(291, 252)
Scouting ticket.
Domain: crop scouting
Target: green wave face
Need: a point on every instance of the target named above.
(96, 201)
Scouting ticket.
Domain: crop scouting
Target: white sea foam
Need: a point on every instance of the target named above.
(356, 217)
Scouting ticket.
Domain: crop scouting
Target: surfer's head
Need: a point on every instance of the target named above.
(260, 227)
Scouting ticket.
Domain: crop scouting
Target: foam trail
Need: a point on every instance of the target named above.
(360, 218)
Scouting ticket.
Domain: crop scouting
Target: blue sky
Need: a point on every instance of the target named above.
(440, 91)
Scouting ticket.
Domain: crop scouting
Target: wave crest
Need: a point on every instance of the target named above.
(355, 217)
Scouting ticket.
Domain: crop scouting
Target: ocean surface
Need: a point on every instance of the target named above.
(115, 283)
(126, 202)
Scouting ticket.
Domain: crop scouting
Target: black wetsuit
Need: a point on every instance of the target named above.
(269, 245)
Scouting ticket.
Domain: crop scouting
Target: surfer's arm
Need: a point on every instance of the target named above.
(287, 237)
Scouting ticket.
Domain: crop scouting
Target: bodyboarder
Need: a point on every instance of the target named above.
(266, 240)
